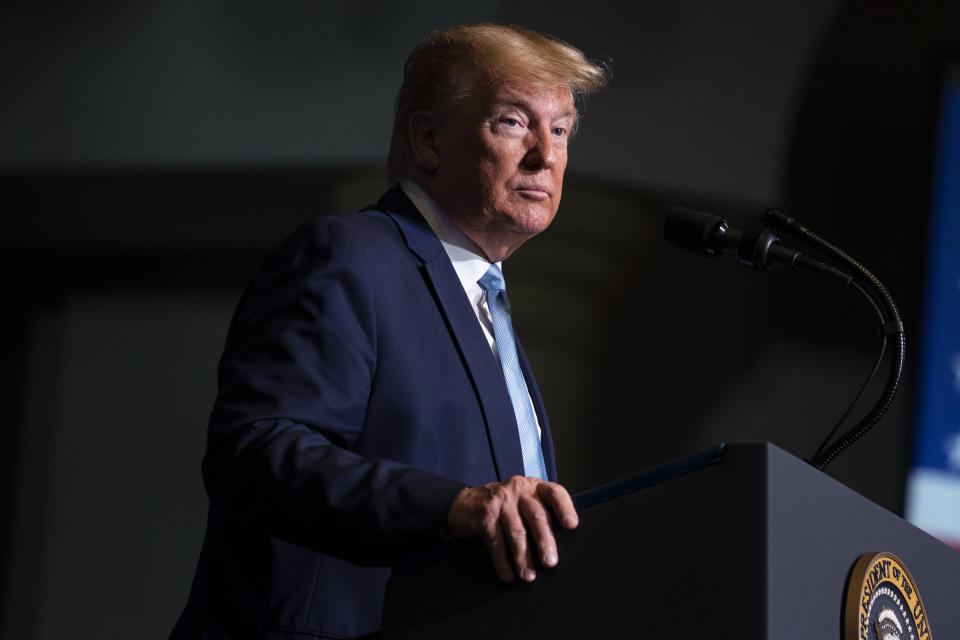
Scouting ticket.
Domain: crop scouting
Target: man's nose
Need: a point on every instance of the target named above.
(542, 153)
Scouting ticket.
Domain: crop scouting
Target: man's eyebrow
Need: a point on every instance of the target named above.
(511, 100)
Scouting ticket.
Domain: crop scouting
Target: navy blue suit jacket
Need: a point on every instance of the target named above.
(357, 397)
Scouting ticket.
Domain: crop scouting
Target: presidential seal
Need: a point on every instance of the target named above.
(882, 601)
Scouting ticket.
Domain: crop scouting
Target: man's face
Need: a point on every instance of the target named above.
(501, 163)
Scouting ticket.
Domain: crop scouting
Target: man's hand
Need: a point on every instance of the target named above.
(509, 516)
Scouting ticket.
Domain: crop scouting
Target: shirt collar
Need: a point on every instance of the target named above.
(467, 261)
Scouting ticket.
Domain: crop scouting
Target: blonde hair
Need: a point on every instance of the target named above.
(458, 63)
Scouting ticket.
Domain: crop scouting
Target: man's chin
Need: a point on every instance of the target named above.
(533, 220)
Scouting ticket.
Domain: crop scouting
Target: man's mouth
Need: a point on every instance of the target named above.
(534, 192)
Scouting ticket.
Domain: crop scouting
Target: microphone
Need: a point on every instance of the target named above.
(712, 236)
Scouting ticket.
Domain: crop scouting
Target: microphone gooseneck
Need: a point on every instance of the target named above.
(890, 324)
(712, 236)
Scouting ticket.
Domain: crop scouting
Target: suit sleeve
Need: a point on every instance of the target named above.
(294, 383)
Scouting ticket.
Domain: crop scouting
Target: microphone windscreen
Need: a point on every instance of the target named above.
(692, 230)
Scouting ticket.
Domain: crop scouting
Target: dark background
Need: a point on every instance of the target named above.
(152, 153)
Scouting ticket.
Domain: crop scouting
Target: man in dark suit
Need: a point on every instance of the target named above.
(371, 398)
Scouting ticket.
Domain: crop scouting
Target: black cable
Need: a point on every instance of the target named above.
(890, 325)
(856, 399)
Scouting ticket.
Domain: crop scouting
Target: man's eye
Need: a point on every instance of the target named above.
(510, 122)
(559, 131)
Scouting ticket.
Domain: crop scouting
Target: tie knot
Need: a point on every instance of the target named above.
(492, 280)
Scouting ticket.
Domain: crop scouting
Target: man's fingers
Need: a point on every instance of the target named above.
(499, 551)
(514, 520)
(557, 498)
(516, 533)
(538, 524)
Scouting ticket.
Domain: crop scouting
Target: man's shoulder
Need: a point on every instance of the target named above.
(393, 222)
(343, 231)
(354, 250)
(365, 222)
(383, 218)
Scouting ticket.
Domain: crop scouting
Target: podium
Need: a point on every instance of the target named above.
(743, 541)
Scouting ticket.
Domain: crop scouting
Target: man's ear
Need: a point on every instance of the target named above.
(424, 141)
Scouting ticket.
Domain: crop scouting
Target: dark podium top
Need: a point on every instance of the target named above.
(743, 541)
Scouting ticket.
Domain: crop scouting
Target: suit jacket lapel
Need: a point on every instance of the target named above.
(480, 364)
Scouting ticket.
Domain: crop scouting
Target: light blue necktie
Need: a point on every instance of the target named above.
(492, 283)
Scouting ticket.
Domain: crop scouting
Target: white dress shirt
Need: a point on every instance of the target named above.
(465, 256)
